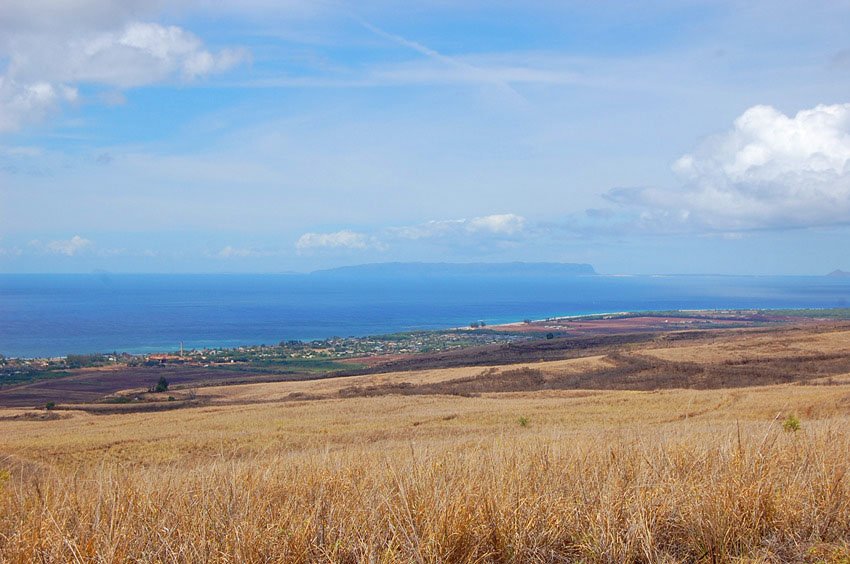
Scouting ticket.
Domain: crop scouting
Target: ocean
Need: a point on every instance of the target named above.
(54, 315)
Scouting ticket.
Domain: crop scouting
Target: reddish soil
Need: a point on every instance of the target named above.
(616, 325)
(92, 384)
(374, 361)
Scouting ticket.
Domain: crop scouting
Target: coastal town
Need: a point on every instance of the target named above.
(284, 355)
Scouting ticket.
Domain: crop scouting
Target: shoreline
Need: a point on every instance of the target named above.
(507, 326)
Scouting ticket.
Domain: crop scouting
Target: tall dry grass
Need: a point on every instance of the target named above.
(678, 492)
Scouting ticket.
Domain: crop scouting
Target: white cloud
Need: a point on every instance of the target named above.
(136, 54)
(142, 53)
(434, 228)
(499, 224)
(344, 239)
(769, 171)
(506, 224)
(235, 252)
(37, 15)
(44, 66)
(67, 247)
(20, 102)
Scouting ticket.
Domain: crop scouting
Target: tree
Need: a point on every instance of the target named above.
(162, 385)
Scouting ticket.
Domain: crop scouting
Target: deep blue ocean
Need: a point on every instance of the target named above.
(51, 315)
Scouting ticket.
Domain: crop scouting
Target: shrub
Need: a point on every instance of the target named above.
(791, 424)
(523, 421)
(50, 405)
(550, 335)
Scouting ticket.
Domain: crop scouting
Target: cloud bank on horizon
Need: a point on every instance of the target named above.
(201, 136)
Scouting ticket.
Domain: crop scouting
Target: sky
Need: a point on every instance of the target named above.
(274, 136)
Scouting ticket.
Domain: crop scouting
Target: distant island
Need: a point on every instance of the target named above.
(404, 269)
(839, 274)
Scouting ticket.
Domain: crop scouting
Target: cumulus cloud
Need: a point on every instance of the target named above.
(21, 102)
(45, 66)
(235, 252)
(500, 224)
(139, 53)
(67, 247)
(506, 224)
(344, 239)
(769, 171)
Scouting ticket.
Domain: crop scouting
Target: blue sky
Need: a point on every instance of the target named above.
(259, 136)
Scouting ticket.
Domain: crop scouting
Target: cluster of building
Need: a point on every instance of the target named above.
(340, 347)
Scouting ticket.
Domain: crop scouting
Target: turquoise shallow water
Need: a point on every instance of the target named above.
(47, 315)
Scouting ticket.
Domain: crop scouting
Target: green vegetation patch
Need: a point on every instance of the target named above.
(13, 376)
(831, 313)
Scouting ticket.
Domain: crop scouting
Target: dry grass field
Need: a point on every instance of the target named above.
(360, 469)
(434, 380)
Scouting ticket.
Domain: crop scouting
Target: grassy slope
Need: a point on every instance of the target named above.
(603, 476)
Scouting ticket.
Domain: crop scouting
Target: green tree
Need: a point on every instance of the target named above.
(161, 385)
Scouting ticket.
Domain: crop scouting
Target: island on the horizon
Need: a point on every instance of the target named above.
(838, 273)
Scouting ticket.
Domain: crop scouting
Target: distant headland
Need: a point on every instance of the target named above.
(839, 274)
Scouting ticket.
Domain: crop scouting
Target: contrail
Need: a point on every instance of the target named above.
(481, 75)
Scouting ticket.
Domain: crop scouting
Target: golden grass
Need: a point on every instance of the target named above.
(592, 476)
(276, 391)
(740, 346)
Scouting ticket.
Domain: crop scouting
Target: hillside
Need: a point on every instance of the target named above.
(697, 446)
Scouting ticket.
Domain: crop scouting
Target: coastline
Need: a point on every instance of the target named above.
(48, 316)
(519, 326)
